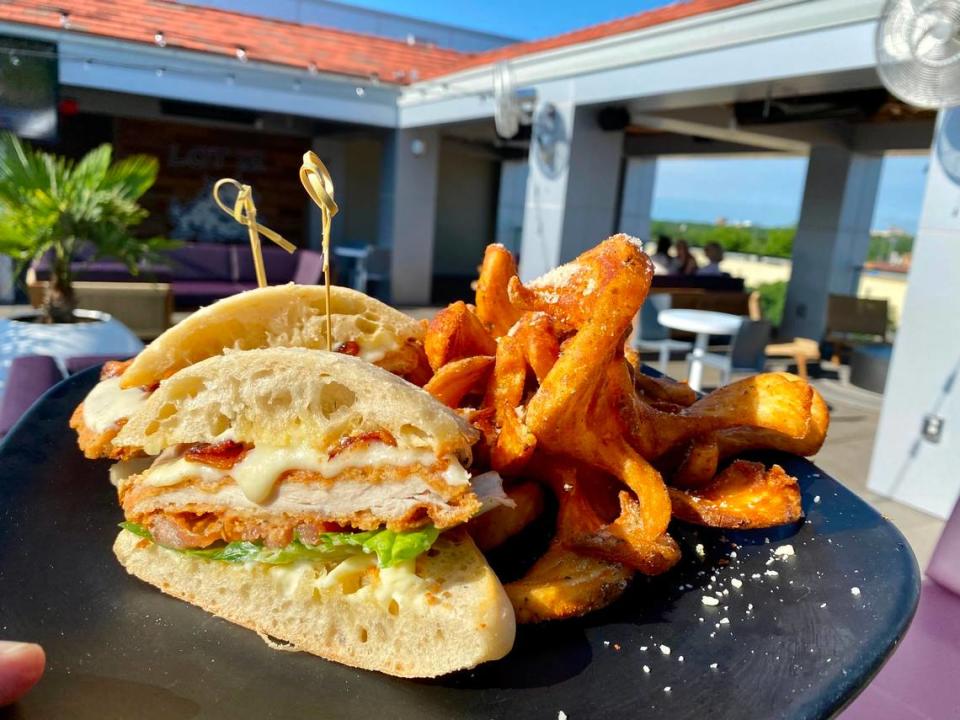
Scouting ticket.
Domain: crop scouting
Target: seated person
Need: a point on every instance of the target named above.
(714, 254)
(684, 263)
(662, 261)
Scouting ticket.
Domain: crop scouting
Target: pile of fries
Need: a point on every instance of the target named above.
(542, 371)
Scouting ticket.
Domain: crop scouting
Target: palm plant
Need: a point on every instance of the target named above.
(52, 204)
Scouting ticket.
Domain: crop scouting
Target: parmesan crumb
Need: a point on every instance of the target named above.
(724, 621)
(855, 591)
(784, 551)
(713, 666)
(561, 715)
(736, 582)
(771, 573)
(646, 669)
(666, 689)
(666, 650)
(699, 550)
(817, 499)
(711, 601)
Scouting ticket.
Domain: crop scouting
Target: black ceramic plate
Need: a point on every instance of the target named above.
(797, 644)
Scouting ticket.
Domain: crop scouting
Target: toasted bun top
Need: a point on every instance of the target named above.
(277, 316)
(285, 397)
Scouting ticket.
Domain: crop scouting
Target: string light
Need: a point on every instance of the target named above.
(241, 54)
(64, 19)
(160, 39)
(312, 68)
(361, 92)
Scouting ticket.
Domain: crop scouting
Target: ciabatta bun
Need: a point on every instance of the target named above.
(285, 397)
(456, 616)
(282, 316)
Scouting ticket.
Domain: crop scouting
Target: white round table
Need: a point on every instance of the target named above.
(704, 323)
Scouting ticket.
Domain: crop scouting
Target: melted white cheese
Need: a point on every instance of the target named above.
(125, 468)
(261, 467)
(107, 404)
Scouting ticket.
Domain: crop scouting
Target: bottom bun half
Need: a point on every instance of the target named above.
(446, 611)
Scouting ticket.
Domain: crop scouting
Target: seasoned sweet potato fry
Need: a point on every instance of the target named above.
(494, 308)
(538, 341)
(598, 518)
(515, 443)
(744, 496)
(456, 333)
(699, 464)
(565, 584)
(495, 527)
(664, 390)
(571, 294)
(457, 379)
(740, 439)
(774, 401)
(779, 402)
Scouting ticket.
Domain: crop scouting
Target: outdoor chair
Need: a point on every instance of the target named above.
(852, 320)
(919, 682)
(654, 337)
(374, 265)
(747, 352)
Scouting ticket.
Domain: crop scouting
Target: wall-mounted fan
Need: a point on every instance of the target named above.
(918, 51)
(511, 107)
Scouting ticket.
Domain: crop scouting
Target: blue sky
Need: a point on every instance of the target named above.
(765, 191)
(525, 20)
(768, 191)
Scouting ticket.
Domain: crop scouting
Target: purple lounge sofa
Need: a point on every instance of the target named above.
(920, 681)
(202, 273)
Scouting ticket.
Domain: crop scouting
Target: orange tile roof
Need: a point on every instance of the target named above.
(658, 16)
(220, 32)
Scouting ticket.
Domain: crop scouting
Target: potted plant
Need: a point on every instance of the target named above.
(52, 206)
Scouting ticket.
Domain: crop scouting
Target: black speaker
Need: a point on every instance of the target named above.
(614, 117)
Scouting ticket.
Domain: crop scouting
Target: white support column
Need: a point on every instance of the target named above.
(513, 191)
(573, 185)
(333, 155)
(408, 208)
(637, 201)
(923, 382)
(833, 235)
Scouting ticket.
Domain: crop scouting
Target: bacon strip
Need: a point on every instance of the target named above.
(222, 455)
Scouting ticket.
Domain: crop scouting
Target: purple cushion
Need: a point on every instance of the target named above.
(920, 679)
(108, 271)
(279, 265)
(309, 267)
(196, 261)
(28, 378)
(194, 293)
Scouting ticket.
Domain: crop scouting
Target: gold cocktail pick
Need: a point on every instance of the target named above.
(245, 213)
(319, 186)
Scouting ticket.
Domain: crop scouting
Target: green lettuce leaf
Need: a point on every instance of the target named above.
(390, 547)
